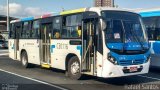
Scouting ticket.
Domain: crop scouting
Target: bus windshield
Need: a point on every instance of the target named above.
(124, 28)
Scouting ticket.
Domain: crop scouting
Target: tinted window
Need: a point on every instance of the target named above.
(56, 32)
(12, 31)
(34, 32)
(71, 26)
(115, 32)
(153, 27)
(1, 41)
(25, 30)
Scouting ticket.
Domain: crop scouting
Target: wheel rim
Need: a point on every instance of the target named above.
(75, 68)
(24, 61)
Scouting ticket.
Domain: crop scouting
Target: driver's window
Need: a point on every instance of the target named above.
(114, 30)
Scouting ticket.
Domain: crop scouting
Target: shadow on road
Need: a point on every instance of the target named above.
(155, 69)
(120, 81)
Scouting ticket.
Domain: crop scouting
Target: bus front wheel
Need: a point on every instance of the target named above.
(24, 59)
(74, 70)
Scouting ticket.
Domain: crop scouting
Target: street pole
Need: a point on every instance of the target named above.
(8, 15)
(113, 3)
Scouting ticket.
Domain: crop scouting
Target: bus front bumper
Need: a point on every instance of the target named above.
(110, 70)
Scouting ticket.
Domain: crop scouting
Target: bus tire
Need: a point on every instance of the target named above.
(24, 60)
(74, 71)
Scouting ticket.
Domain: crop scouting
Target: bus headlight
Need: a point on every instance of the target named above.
(112, 59)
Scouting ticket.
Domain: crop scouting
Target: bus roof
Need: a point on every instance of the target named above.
(71, 12)
(32, 18)
(152, 12)
(49, 15)
(98, 9)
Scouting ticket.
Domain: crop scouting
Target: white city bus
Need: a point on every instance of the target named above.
(104, 42)
(151, 18)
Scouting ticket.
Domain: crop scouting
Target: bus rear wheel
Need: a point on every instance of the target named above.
(74, 70)
(24, 60)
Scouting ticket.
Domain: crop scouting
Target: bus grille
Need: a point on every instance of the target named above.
(131, 62)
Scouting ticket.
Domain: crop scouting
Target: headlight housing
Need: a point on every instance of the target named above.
(112, 59)
(148, 58)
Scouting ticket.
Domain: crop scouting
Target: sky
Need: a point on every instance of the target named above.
(26, 8)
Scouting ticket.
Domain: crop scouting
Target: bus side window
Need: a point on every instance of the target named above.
(34, 33)
(56, 32)
(150, 26)
(158, 29)
(71, 26)
(12, 33)
(25, 31)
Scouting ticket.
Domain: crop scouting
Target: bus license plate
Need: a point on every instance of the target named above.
(133, 69)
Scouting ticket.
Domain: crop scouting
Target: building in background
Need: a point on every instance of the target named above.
(104, 3)
(3, 27)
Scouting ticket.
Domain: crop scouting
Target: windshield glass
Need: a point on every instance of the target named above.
(123, 26)
(124, 31)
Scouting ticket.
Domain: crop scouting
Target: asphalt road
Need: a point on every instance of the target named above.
(11, 72)
(13, 82)
(3, 52)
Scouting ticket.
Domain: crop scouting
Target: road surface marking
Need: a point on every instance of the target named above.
(149, 77)
(3, 54)
(3, 50)
(33, 79)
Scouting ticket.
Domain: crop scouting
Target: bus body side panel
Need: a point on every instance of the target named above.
(59, 51)
(11, 48)
(155, 51)
(99, 64)
(100, 57)
(32, 48)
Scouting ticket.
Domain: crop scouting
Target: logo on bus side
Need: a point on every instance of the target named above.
(62, 46)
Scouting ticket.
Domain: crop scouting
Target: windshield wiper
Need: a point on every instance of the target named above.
(124, 35)
(137, 39)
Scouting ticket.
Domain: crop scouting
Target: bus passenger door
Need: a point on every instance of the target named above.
(89, 46)
(16, 41)
(45, 45)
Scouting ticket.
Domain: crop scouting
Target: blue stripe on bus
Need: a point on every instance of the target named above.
(52, 47)
(27, 19)
(155, 47)
(125, 60)
(80, 49)
(127, 46)
(150, 13)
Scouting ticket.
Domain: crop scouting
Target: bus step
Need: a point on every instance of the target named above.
(45, 65)
(86, 70)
